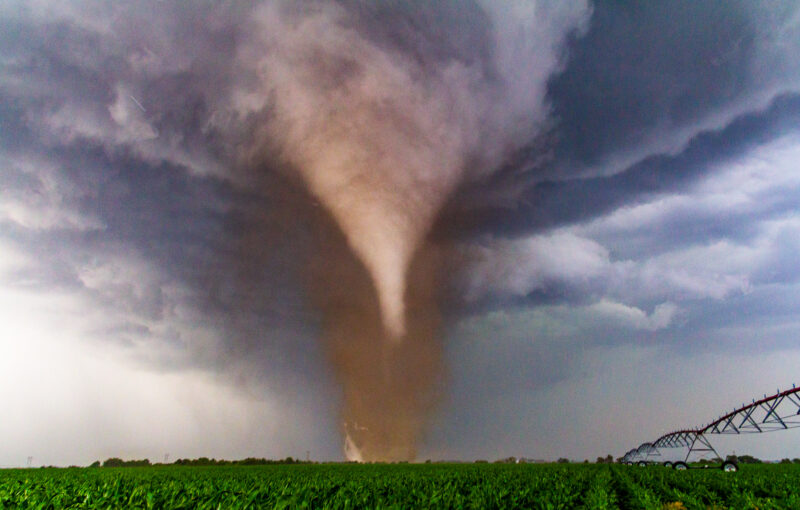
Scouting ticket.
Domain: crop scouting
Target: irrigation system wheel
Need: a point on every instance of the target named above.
(729, 467)
(680, 466)
(668, 464)
(642, 463)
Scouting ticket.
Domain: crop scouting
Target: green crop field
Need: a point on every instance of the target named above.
(481, 486)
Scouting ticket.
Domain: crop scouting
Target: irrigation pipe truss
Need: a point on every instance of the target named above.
(780, 411)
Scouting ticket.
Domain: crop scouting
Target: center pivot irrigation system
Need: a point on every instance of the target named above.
(777, 412)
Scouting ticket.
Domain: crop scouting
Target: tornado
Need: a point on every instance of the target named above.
(382, 110)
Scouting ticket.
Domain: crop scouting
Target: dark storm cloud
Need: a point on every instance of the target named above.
(646, 66)
(123, 181)
(628, 71)
(111, 205)
(656, 92)
(647, 76)
(151, 175)
(159, 74)
(554, 203)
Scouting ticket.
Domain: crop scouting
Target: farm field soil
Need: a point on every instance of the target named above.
(548, 486)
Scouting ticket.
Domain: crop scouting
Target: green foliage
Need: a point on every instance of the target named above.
(507, 460)
(117, 462)
(743, 459)
(249, 461)
(484, 485)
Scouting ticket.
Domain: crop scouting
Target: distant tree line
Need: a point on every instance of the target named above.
(202, 461)
(743, 459)
(249, 461)
(507, 460)
(749, 459)
(117, 462)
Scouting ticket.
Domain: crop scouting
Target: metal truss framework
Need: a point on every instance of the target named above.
(777, 412)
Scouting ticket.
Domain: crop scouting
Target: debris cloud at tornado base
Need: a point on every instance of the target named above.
(382, 111)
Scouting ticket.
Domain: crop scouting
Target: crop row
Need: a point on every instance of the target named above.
(553, 486)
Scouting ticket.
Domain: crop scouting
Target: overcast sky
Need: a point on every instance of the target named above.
(620, 228)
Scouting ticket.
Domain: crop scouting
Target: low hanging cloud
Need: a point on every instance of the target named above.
(631, 316)
(724, 62)
(516, 268)
(649, 252)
